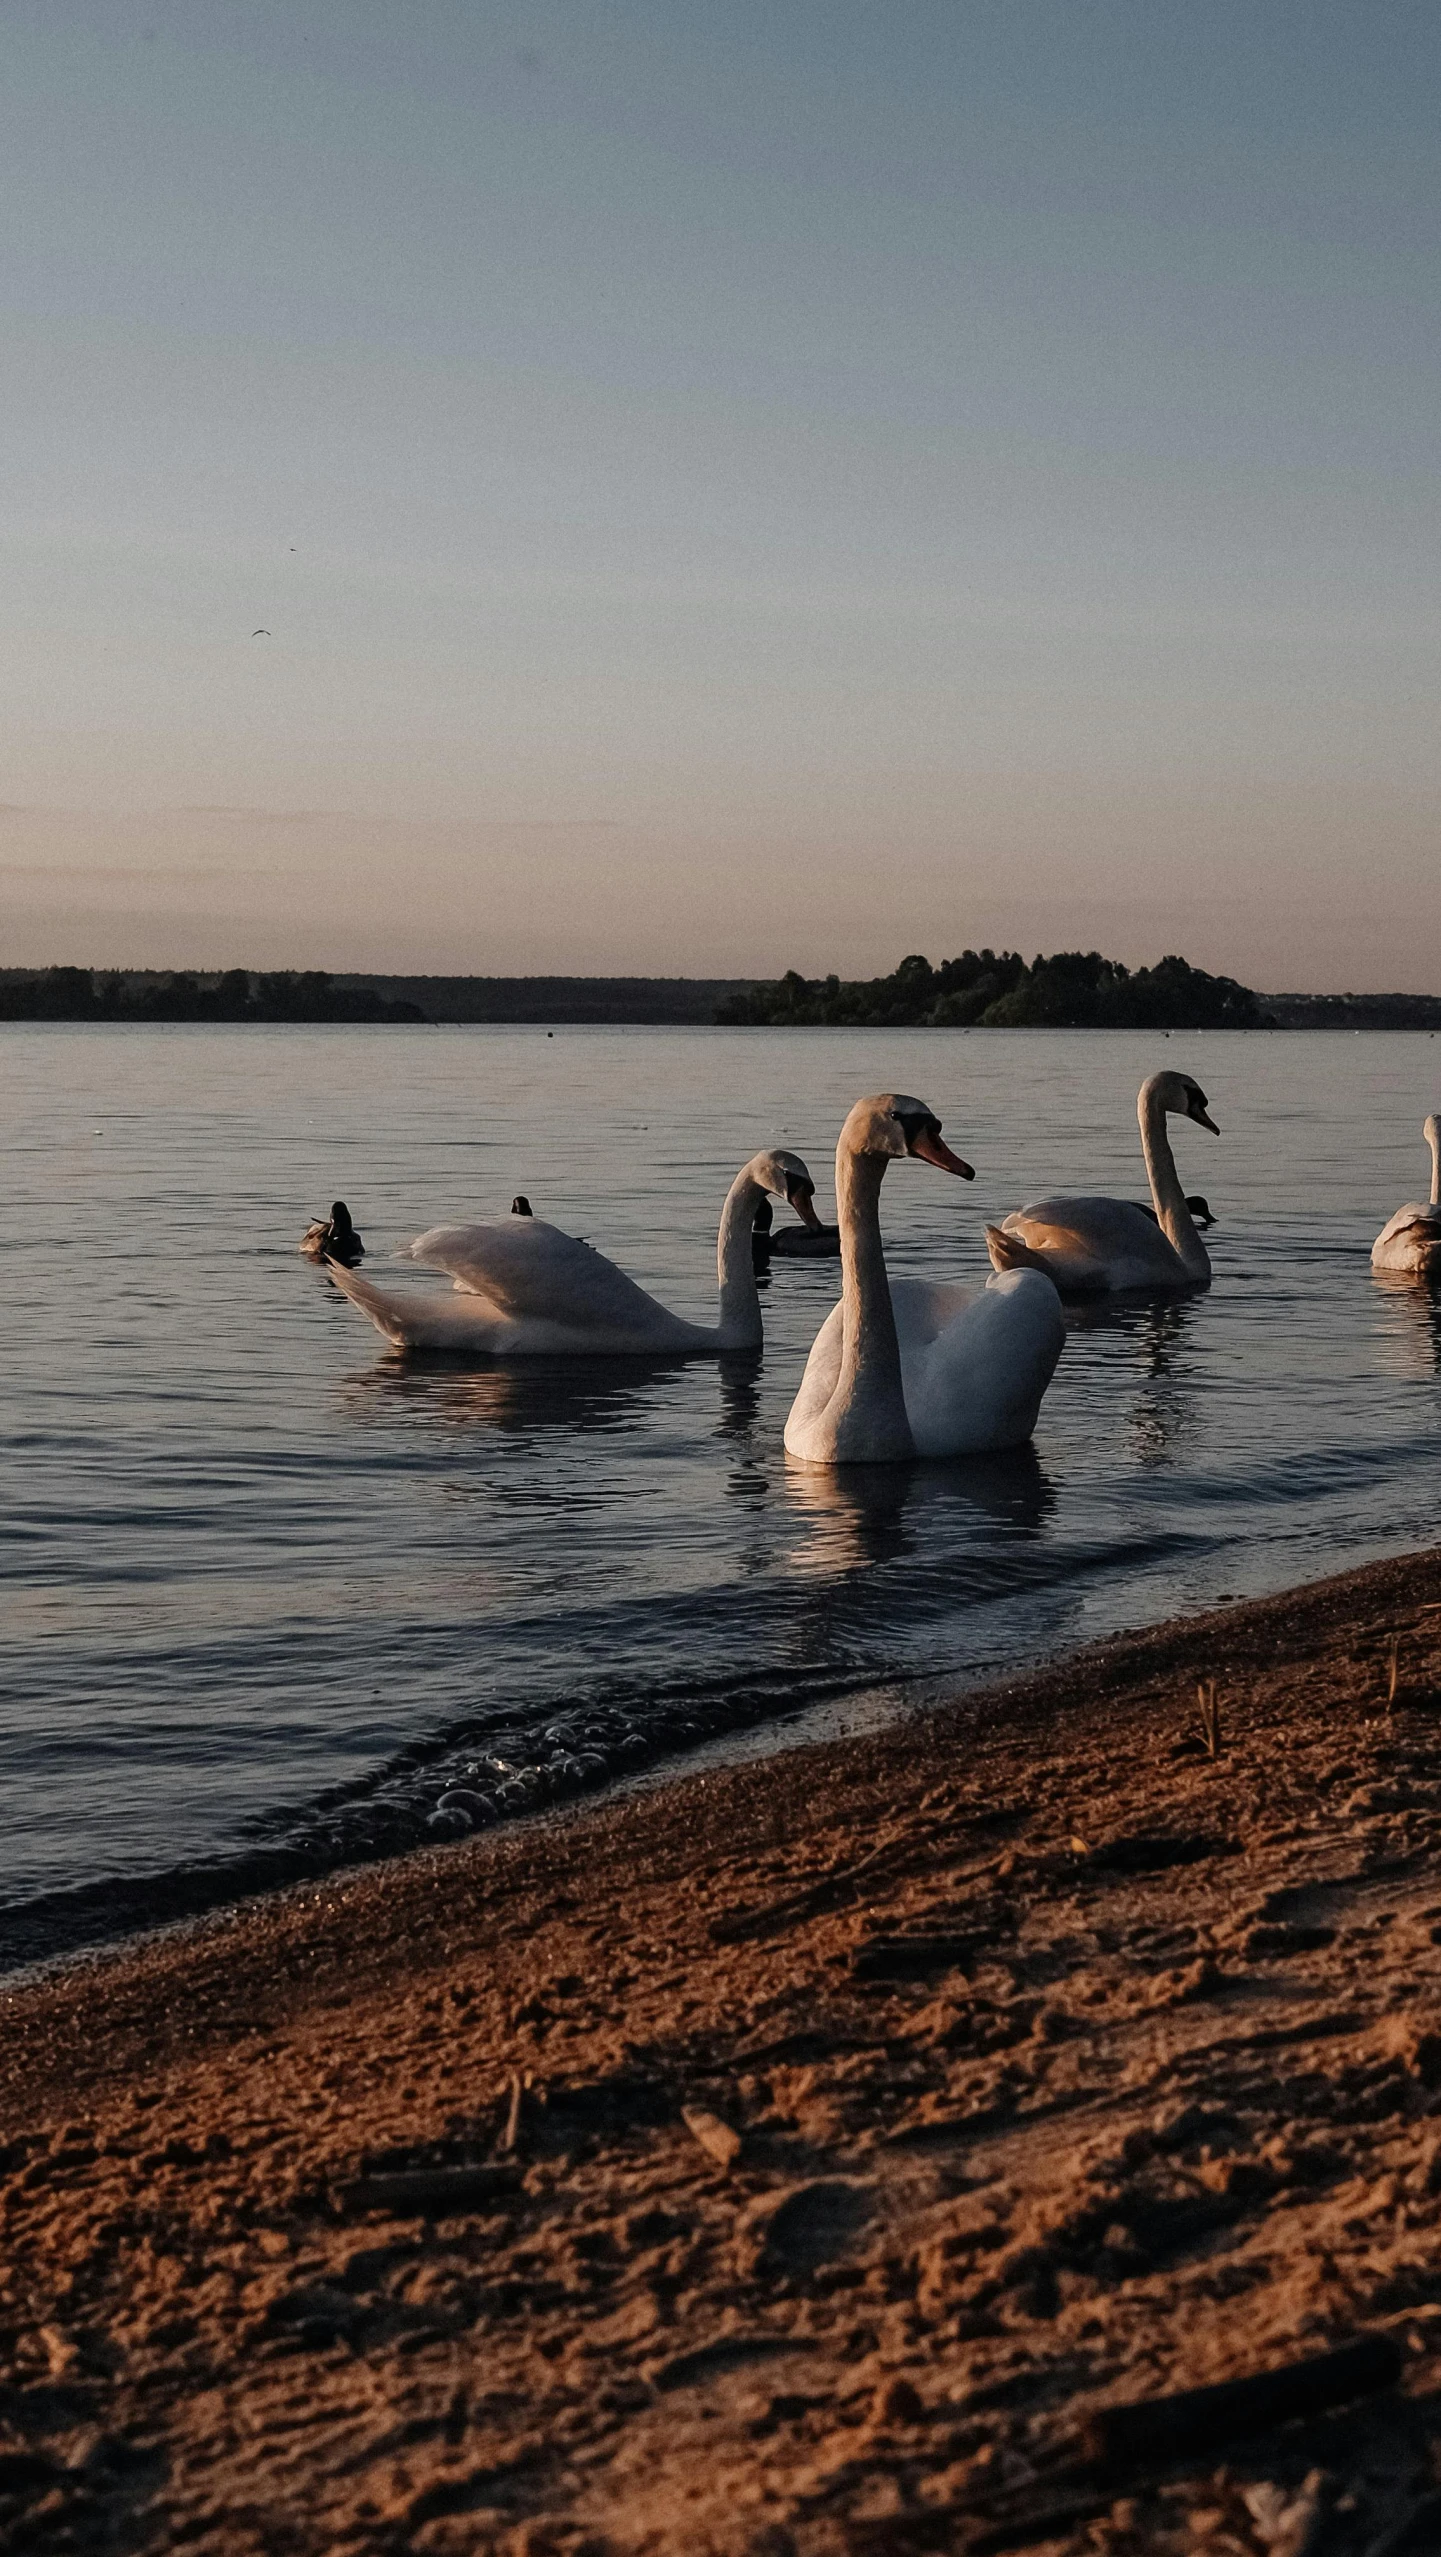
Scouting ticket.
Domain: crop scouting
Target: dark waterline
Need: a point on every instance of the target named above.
(269, 1594)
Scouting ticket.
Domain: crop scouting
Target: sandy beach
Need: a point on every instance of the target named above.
(795, 2157)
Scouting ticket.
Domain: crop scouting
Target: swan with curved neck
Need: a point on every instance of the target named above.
(913, 1367)
(528, 1290)
(1411, 1241)
(1093, 1246)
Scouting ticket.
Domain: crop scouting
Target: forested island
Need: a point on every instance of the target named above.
(991, 990)
(235, 994)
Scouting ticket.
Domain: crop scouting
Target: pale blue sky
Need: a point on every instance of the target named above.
(726, 486)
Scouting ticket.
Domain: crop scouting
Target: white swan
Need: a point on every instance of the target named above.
(913, 1367)
(527, 1290)
(1411, 1242)
(1091, 1246)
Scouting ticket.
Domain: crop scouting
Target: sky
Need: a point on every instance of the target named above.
(711, 486)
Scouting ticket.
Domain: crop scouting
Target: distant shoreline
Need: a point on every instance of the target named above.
(147, 997)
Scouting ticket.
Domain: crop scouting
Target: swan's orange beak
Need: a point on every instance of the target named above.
(803, 1200)
(931, 1147)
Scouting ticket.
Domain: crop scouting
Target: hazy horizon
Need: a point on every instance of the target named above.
(722, 490)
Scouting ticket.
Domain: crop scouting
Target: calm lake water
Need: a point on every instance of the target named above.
(267, 1591)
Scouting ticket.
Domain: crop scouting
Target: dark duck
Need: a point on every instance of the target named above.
(333, 1238)
(813, 1242)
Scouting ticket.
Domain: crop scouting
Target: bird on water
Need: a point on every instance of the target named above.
(333, 1238)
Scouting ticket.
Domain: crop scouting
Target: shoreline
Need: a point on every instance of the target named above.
(843, 2124)
(159, 1907)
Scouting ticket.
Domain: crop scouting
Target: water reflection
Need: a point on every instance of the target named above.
(740, 1394)
(1411, 1324)
(1156, 1331)
(487, 1538)
(513, 1395)
(861, 1515)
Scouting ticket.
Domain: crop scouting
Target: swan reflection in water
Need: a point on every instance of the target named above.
(739, 1373)
(1151, 1333)
(860, 1515)
(517, 1396)
(1410, 1326)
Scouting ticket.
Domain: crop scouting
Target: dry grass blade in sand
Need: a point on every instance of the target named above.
(511, 2134)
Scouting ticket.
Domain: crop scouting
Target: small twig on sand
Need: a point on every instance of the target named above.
(717, 2138)
(1210, 1716)
(1393, 1668)
(428, 2191)
(511, 2133)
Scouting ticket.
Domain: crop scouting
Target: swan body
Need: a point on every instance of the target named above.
(1094, 1246)
(527, 1290)
(1411, 1241)
(913, 1367)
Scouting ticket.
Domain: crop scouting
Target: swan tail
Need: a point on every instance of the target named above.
(1008, 1252)
(463, 1326)
(385, 1312)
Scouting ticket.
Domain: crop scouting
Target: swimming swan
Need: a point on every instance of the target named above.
(915, 1367)
(1091, 1246)
(1412, 1241)
(527, 1290)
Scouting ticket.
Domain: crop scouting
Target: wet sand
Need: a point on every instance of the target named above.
(798, 2154)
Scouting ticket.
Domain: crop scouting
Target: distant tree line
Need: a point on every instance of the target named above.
(1355, 1011)
(983, 988)
(80, 994)
(690, 1001)
(991, 990)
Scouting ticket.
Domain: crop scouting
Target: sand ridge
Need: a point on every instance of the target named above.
(803, 2148)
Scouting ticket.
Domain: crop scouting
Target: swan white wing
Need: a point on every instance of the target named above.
(533, 1272)
(923, 1307)
(1095, 1242)
(469, 1325)
(975, 1363)
(1411, 1240)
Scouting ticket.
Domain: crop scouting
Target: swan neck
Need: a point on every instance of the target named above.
(1167, 1196)
(869, 1405)
(740, 1304)
(1433, 1139)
